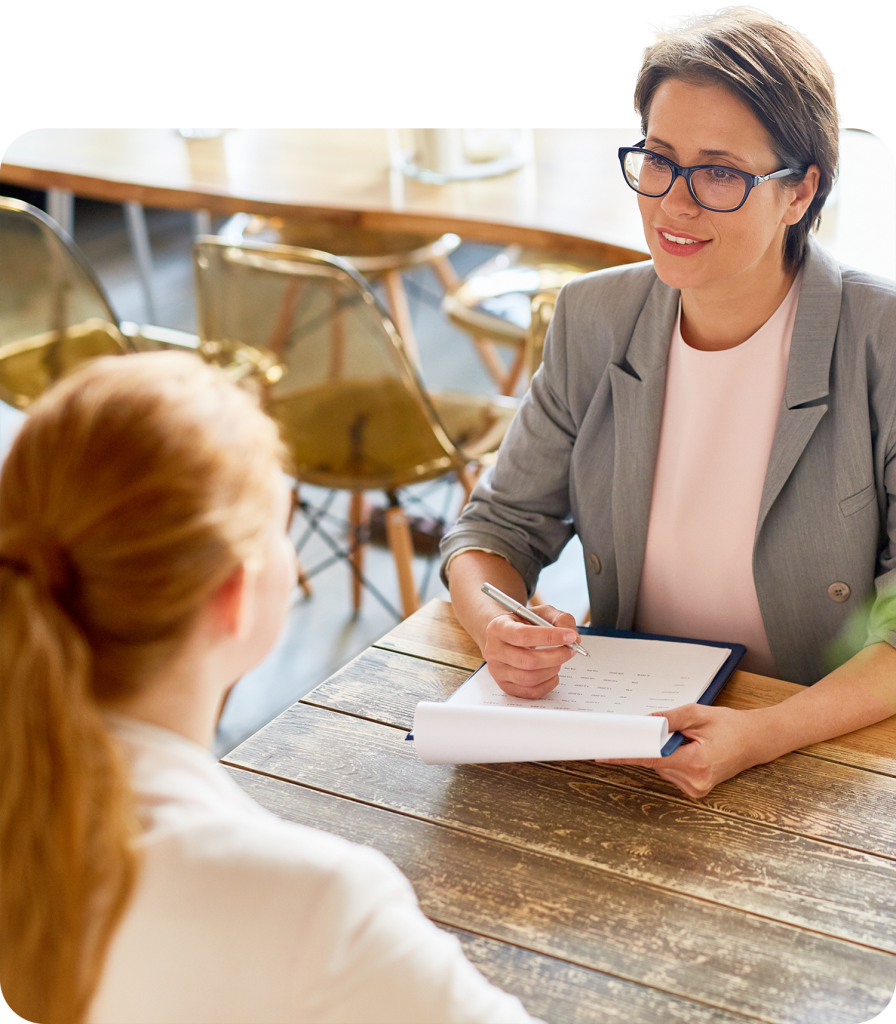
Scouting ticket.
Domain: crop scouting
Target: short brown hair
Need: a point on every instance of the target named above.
(778, 73)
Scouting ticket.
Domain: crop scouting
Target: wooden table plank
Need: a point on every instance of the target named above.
(811, 797)
(563, 993)
(434, 633)
(678, 846)
(434, 630)
(386, 687)
(818, 798)
(572, 911)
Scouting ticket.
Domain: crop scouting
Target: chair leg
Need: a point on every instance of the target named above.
(139, 237)
(446, 274)
(467, 480)
(302, 579)
(61, 207)
(357, 517)
(401, 314)
(512, 377)
(490, 359)
(398, 533)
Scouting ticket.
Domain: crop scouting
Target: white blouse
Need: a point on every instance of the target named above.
(240, 917)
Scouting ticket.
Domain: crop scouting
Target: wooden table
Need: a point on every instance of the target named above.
(596, 892)
(570, 198)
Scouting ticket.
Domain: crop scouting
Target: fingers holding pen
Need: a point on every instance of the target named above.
(525, 660)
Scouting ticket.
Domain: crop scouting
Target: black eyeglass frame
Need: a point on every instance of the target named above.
(750, 180)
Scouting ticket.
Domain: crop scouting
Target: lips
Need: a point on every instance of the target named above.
(686, 245)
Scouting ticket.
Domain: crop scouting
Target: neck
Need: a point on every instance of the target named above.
(726, 315)
(186, 698)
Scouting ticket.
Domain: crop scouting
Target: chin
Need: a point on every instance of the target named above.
(672, 272)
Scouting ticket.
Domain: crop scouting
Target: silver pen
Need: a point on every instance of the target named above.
(525, 613)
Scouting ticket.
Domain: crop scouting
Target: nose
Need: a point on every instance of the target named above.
(678, 201)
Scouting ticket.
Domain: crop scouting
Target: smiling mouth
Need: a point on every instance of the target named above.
(679, 239)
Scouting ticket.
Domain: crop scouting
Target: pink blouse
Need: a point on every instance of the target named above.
(719, 417)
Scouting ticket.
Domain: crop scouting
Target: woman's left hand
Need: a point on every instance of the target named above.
(723, 743)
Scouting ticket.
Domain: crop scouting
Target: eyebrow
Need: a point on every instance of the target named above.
(703, 152)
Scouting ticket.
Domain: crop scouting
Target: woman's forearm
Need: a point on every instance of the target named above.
(860, 692)
(466, 574)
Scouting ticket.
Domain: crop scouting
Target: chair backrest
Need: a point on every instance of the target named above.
(54, 313)
(332, 367)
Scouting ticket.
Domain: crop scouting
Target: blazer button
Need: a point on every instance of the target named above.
(594, 562)
(839, 592)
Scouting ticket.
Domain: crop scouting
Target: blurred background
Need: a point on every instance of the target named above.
(321, 634)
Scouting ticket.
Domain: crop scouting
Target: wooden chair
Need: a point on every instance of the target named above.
(334, 371)
(494, 305)
(377, 255)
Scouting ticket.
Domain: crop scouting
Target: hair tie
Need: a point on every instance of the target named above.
(39, 556)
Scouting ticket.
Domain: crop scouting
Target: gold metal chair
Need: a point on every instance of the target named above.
(334, 372)
(377, 255)
(495, 302)
(54, 313)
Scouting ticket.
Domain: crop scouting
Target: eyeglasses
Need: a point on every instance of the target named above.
(717, 188)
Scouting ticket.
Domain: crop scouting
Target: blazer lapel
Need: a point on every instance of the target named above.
(808, 371)
(638, 387)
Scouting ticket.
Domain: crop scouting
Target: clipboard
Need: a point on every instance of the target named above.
(459, 732)
(719, 680)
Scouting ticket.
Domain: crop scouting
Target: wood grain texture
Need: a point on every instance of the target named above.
(812, 797)
(562, 993)
(677, 845)
(434, 633)
(385, 686)
(572, 911)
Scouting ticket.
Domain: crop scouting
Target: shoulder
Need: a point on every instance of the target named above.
(266, 848)
(863, 303)
(869, 299)
(596, 316)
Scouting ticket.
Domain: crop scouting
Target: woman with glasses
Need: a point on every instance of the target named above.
(719, 425)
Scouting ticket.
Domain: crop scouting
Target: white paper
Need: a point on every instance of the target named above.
(601, 707)
(470, 734)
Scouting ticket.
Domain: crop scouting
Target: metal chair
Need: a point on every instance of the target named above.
(54, 313)
(377, 255)
(334, 372)
(494, 304)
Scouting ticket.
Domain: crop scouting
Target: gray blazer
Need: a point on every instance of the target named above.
(580, 455)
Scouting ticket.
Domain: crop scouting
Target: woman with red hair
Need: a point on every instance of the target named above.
(144, 567)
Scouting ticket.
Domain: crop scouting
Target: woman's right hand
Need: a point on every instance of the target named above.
(514, 660)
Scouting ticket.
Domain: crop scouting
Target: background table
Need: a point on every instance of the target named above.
(597, 892)
(570, 198)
